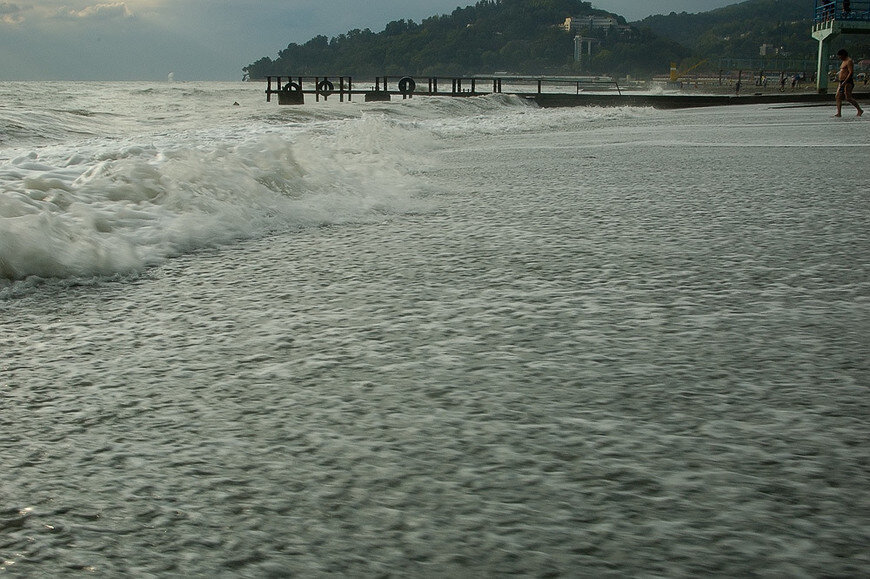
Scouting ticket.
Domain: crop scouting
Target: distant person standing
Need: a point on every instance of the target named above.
(846, 76)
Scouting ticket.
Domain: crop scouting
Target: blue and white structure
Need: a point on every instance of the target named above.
(833, 18)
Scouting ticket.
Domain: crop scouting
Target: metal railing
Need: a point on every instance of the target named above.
(827, 10)
(291, 90)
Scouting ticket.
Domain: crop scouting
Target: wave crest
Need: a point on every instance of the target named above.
(122, 209)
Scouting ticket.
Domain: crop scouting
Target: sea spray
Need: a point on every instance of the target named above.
(123, 177)
(111, 210)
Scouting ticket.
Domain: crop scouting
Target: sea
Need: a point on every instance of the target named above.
(435, 337)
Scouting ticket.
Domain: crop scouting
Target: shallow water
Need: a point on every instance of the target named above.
(576, 342)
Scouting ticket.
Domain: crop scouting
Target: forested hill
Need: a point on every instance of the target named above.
(738, 31)
(516, 36)
(522, 37)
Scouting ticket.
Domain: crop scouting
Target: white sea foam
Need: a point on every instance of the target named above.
(124, 176)
(99, 206)
(622, 342)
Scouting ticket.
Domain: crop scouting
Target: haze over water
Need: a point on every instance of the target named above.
(438, 337)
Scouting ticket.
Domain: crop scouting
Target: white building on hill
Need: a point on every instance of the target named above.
(584, 23)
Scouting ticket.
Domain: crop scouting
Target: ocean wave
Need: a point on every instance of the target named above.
(23, 128)
(501, 116)
(114, 209)
(123, 177)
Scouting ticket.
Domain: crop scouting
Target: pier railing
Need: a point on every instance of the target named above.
(292, 89)
(851, 10)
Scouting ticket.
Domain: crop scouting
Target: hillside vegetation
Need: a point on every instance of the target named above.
(517, 36)
(739, 30)
(523, 37)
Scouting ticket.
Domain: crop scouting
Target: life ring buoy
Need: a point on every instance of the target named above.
(325, 87)
(407, 85)
(291, 87)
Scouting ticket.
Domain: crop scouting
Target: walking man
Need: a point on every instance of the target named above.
(846, 76)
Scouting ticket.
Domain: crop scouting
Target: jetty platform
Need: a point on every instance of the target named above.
(682, 101)
(544, 91)
(833, 19)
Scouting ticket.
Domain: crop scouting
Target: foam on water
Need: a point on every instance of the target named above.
(102, 206)
(124, 176)
(111, 211)
(630, 345)
(503, 114)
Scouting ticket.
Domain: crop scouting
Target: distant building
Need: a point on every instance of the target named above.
(586, 23)
(771, 50)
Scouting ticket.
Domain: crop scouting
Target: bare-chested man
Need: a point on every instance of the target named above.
(846, 76)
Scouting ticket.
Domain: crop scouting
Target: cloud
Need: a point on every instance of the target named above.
(634, 10)
(200, 39)
(11, 13)
(109, 11)
(53, 10)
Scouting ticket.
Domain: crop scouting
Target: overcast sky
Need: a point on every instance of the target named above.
(205, 39)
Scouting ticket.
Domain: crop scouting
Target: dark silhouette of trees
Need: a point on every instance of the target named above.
(524, 37)
(520, 36)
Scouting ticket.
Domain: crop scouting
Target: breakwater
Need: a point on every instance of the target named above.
(544, 91)
(678, 101)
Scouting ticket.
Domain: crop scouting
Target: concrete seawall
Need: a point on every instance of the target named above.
(676, 101)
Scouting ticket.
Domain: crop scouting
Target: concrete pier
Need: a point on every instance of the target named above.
(832, 19)
(292, 89)
(544, 91)
(680, 101)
